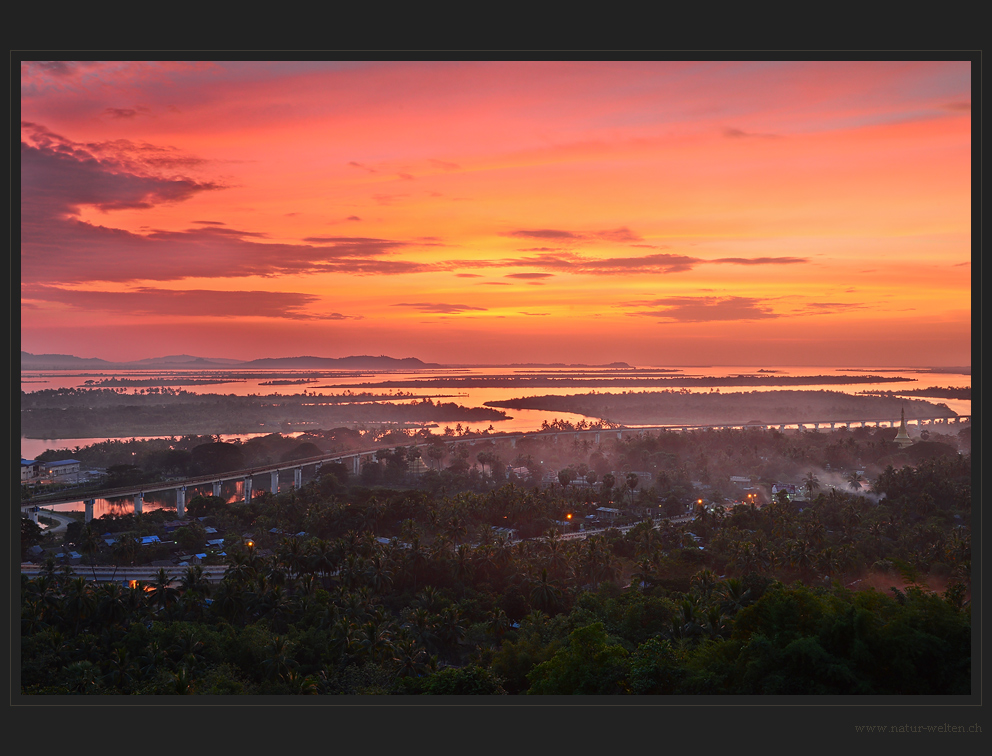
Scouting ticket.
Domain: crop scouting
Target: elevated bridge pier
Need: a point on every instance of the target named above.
(181, 502)
(139, 499)
(247, 484)
(217, 485)
(274, 482)
(298, 477)
(87, 510)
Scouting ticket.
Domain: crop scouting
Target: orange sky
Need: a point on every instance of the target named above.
(664, 213)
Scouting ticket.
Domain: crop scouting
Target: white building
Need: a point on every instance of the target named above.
(30, 469)
(47, 473)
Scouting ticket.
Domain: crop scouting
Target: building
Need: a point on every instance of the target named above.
(30, 470)
(59, 472)
(790, 488)
(902, 437)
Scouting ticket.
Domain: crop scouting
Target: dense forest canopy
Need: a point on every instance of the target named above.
(462, 582)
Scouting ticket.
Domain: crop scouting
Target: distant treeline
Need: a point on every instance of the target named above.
(146, 382)
(77, 413)
(513, 381)
(673, 407)
(935, 392)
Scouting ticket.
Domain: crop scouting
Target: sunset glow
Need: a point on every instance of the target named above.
(668, 213)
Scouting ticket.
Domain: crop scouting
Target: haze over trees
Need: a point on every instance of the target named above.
(403, 585)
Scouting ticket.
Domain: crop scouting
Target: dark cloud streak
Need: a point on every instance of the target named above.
(188, 303)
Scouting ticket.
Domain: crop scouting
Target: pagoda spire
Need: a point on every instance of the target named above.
(902, 437)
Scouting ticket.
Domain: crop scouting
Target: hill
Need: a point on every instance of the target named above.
(364, 362)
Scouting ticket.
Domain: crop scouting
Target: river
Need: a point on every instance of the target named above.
(240, 382)
(235, 381)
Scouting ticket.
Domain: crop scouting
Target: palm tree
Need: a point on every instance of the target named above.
(455, 528)
(450, 630)
(376, 640)
(854, 480)
(111, 604)
(279, 660)
(609, 480)
(409, 657)
(419, 624)
(380, 577)
(121, 665)
(810, 483)
(89, 545)
(162, 592)
(802, 556)
(78, 603)
(704, 581)
(631, 481)
(733, 596)
(124, 551)
(686, 624)
(436, 452)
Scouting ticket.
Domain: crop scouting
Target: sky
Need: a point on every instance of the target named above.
(656, 213)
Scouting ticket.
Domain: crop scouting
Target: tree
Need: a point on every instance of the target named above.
(162, 592)
(590, 664)
(208, 459)
(89, 545)
(191, 537)
(609, 480)
(486, 458)
(31, 535)
(545, 593)
(436, 452)
(810, 484)
(472, 680)
(631, 485)
(201, 506)
(854, 480)
(124, 551)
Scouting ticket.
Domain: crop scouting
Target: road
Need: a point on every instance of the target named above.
(63, 520)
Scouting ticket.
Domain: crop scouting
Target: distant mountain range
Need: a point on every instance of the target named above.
(188, 362)
(184, 361)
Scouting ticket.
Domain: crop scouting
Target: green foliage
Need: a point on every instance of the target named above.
(656, 668)
(466, 681)
(410, 592)
(192, 537)
(31, 535)
(590, 664)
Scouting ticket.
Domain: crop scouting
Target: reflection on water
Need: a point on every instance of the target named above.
(237, 382)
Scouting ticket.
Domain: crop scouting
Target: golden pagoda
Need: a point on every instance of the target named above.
(902, 437)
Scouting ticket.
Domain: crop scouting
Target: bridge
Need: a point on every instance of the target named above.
(356, 458)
